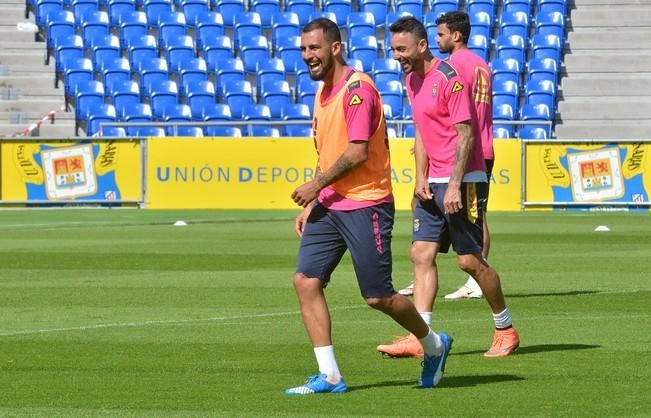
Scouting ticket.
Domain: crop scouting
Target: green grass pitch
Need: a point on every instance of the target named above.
(119, 313)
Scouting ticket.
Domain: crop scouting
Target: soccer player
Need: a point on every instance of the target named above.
(450, 184)
(349, 205)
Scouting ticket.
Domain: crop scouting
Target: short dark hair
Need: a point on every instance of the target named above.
(409, 24)
(330, 29)
(457, 22)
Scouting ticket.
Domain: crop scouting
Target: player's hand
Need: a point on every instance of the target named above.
(301, 220)
(306, 193)
(422, 190)
(452, 199)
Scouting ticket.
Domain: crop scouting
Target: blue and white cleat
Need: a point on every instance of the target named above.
(318, 384)
(434, 367)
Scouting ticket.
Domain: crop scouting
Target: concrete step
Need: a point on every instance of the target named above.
(602, 3)
(607, 16)
(607, 61)
(605, 108)
(59, 129)
(41, 105)
(635, 84)
(603, 129)
(41, 83)
(31, 57)
(610, 38)
(11, 12)
(32, 69)
(10, 34)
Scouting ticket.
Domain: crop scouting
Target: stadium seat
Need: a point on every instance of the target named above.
(117, 69)
(542, 69)
(511, 6)
(176, 113)
(199, 95)
(192, 70)
(378, 8)
(284, 25)
(151, 70)
(178, 51)
(500, 132)
(252, 51)
(267, 9)
(229, 9)
(135, 113)
(510, 47)
(103, 48)
(209, 26)
(225, 131)
(515, 23)
(237, 95)
(227, 72)
(82, 7)
(60, 25)
(218, 113)
(94, 24)
(551, 24)
(551, 6)
(142, 48)
(146, 131)
(246, 25)
(360, 24)
(546, 46)
(302, 8)
(45, 8)
(132, 25)
(171, 26)
(486, 6)
(503, 112)
(293, 112)
(77, 71)
(306, 92)
(88, 94)
(532, 132)
(541, 91)
(413, 7)
(272, 69)
(275, 94)
(289, 51)
(365, 49)
(160, 95)
(481, 24)
(439, 8)
(479, 45)
(113, 131)
(392, 94)
(101, 113)
(216, 50)
(384, 69)
(323, 14)
(259, 112)
(506, 69)
(194, 10)
(340, 8)
(538, 112)
(506, 92)
(155, 8)
(355, 63)
(123, 94)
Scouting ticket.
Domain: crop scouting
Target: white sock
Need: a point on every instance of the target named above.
(325, 357)
(432, 344)
(427, 317)
(503, 319)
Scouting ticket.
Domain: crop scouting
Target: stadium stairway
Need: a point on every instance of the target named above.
(606, 87)
(27, 90)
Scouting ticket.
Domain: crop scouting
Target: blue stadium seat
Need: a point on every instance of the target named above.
(199, 95)
(409, 130)
(117, 69)
(82, 7)
(147, 131)
(259, 112)
(272, 69)
(440, 7)
(546, 46)
(216, 50)
(219, 113)
(179, 50)
(293, 112)
(378, 8)
(151, 70)
(77, 71)
(176, 113)
(388, 112)
(184, 130)
(87, 95)
(246, 25)
(275, 94)
(209, 26)
(227, 72)
(229, 9)
(69, 49)
(117, 9)
(503, 112)
(155, 8)
(103, 48)
(93, 24)
(541, 91)
(481, 24)
(510, 47)
(323, 14)
(45, 8)
(542, 69)
(237, 95)
(385, 69)
(160, 95)
(532, 132)
(284, 25)
(306, 92)
(252, 51)
(500, 132)
(506, 92)
(365, 49)
(413, 7)
(289, 51)
(487, 6)
(192, 70)
(392, 94)
(539, 112)
(171, 26)
(302, 8)
(515, 23)
(267, 10)
(123, 94)
(479, 45)
(407, 114)
(225, 131)
(551, 24)
(194, 10)
(61, 25)
(551, 6)
(340, 8)
(510, 6)
(99, 114)
(113, 131)
(506, 69)
(132, 25)
(360, 24)
(141, 48)
(135, 113)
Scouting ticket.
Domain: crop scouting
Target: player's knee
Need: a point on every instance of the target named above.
(380, 303)
(421, 255)
(470, 264)
(300, 280)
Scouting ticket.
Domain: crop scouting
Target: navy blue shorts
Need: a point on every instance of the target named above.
(365, 232)
(464, 229)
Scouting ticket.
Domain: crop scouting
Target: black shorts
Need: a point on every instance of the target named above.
(365, 232)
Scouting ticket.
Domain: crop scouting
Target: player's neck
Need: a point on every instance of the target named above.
(339, 71)
(428, 63)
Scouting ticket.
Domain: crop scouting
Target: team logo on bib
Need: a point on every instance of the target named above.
(355, 100)
(435, 90)
(457, 87)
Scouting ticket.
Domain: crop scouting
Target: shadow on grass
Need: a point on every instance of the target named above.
(447, 382)
(541, 348)
(537, 295)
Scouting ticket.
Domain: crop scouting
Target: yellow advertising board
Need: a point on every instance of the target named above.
(595, 173)
(262, 173)
(70, 170)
